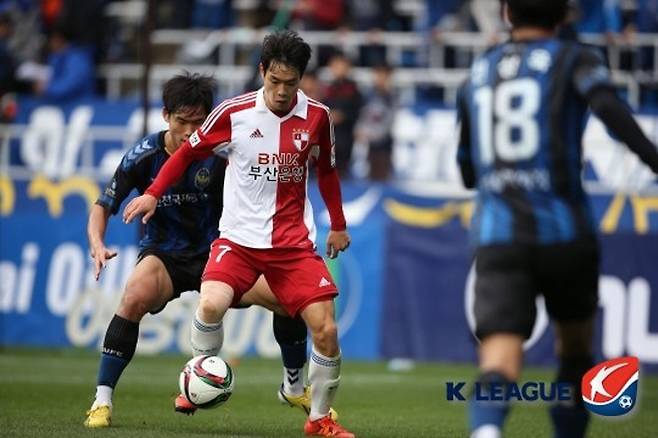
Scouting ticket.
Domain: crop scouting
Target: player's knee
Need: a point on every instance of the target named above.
(325, 338)
(133, 305)
(209, 310)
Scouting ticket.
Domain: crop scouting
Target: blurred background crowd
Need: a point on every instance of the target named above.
(369, 55)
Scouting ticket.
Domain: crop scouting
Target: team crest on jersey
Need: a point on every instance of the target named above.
(300, 138)
(610, 388)
(202, 178)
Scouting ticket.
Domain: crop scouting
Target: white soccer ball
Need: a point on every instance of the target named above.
(206, 381)
(625, 401)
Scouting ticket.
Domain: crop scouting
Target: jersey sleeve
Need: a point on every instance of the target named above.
(327, 143)
(464, 154)
(213, 136)
(590, 72)
(119, 187)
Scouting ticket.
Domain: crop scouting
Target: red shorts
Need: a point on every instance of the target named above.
(298, 277)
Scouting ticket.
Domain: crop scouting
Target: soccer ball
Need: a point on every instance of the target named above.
(206, 381)
(625, 401)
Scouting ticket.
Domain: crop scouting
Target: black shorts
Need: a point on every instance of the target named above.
(509, 277)
(184, 270)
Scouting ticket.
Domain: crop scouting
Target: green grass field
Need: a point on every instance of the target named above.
(46, 393)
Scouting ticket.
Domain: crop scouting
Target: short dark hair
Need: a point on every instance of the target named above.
(285, 47)
(188, 90)
(547, 14)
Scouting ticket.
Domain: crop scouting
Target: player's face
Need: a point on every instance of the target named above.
(183, 123)
(280, 84)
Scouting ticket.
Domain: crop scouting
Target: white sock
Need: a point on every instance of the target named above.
(206, 338)
(486, 431)
(103, 396)
(323, 376)
(293, 381)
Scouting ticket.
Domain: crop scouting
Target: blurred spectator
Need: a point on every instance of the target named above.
(85, 25)
(311, 86)
(7, 69)
(645, 21)
(375, 121)
(374, 16)
(343, 98)
(71, 66)
(173, 14)
(7, 63)
(50, 11)
(212, 14)
(318, 14)
(600, 16)
(25, 41)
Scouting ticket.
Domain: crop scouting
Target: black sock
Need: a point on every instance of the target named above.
(118, 349)
(290, 334)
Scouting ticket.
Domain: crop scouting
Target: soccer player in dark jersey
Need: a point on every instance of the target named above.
(175, 245)
(522, 112)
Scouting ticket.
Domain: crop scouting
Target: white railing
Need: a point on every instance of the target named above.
(236, 44)
(231, 41)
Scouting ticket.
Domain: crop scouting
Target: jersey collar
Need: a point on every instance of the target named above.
(300, 110)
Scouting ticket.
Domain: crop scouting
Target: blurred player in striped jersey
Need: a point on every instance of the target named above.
(522, 111)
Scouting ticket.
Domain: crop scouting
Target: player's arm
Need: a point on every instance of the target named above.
(616, 116)
(329, 185)
(464, 155)
(203, 143)
(96, 227)
(592, 81)
(108, 203)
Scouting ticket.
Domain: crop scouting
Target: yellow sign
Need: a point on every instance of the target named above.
(642, 207)
(7, 195)
(430, 217)
(55, 192)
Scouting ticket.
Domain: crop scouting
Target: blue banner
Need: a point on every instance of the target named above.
(48, 296)
(428, 292)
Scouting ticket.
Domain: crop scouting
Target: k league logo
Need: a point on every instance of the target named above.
(610, 388)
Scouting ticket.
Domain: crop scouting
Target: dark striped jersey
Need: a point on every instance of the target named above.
(523, 110)
(186, 219)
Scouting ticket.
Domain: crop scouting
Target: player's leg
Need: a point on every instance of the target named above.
(504, 314)
(148, 288)
(207, 332)
(302, 284)
(291, 335)
(323, 369)
(571, 294)
(227, 275)
(575, 356)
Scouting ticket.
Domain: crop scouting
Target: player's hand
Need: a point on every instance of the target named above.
(144, 204)
(101, 255)
(337, 241)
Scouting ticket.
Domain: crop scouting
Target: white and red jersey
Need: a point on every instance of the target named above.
(266, 203)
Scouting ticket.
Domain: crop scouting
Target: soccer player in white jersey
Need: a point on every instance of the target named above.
(266, 227)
